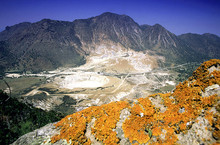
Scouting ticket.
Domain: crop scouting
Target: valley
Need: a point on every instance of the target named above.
(106, 77)
(57, 68)
(181, 116)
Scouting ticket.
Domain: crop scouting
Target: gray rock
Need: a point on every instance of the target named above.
(211, 90)
(39, 136)
(198, 134)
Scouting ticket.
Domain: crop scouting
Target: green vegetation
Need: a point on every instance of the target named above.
(40, 96)
(66, 106)
(18, 118)
(149, 132)
(186, 71)
(22, 85)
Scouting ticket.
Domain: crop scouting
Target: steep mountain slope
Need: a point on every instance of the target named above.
(165, 43)
(49, 44)
(187, 115)
(6, 58)
(43, 45)
(109, 28)
(206, 45)
(158, 35)
(13, 30)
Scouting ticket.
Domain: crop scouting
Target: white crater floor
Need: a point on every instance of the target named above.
(83, 80)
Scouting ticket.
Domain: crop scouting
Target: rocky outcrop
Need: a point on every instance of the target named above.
(183, 116)
(37, 136)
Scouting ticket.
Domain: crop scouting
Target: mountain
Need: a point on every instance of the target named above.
(10, 31)
(109, 27)
(49, 44)
(190, 114)
(165, 43)
(6, 58)
(43, 45)
(206, 45)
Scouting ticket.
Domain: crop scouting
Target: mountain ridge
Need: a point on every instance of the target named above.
(54, 44)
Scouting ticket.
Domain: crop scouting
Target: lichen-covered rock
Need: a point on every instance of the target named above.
(188, 115)
(198, 134)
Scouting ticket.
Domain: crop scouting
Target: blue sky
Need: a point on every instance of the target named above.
(178, 16)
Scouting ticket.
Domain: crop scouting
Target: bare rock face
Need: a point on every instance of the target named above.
(184, 116)
(37, 136)
(198, 134)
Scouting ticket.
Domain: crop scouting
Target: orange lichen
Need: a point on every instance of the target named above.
(182, 108)
(187, 96)
(73, 127)
(106, 121)
(209, 101)
(203, 77)
(135, 128)
(157, 131)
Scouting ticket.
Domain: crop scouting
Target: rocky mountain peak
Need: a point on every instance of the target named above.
(160, 30)
(206, 44)
(111, 19)
(11, 31)
(109, 15)
(160, 39)
(23, 24)
(109, 28)
(211, 36)
(46, 20)
(159, 27)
